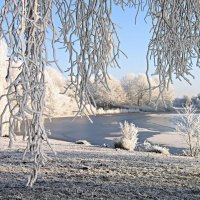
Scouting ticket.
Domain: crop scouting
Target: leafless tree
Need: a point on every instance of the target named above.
(88, 34)
(188, 124)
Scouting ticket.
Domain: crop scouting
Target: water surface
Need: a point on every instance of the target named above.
(105, 127)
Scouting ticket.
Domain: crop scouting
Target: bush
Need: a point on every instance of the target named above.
(128, 140)
(156, 148)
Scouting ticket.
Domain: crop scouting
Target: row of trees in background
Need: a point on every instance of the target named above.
(131, 91)
(195, 101)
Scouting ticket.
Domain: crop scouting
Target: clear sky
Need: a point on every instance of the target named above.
(134, 42)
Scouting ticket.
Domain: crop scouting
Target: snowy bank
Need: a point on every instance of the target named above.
(90, 172)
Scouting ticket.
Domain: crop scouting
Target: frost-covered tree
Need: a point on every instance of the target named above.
(168, 95)
(197, 101)
(187, 99)
(114, 95)
(137, 89)
(129, 88)
(88, 35)
(189, 125)
(141, 89)
(58, 104)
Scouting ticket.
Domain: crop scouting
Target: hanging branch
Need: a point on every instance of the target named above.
(24, 25)
(175, 43)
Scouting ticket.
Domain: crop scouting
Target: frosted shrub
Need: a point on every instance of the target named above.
(156, 148)
(189, 125)
(129, 138)
(101, 111)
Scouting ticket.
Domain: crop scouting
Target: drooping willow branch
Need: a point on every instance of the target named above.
(89, 36)
(175, 43)
(24, 25)
(85, 30)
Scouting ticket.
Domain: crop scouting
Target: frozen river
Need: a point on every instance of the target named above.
(106, 127)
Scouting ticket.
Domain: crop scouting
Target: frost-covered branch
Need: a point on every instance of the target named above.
(175, 43)
(24, 25)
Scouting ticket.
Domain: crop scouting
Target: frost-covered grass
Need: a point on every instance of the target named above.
(89, 172)
(128, 140)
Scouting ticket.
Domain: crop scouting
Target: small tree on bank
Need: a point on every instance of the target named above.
(189, 124)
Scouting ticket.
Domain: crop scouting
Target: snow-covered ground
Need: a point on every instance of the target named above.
(170, 139)
(91, 172)
(94, 172)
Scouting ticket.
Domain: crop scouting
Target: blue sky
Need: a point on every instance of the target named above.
(134, 42)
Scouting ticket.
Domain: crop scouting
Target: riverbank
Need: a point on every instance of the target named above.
(92, 172)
